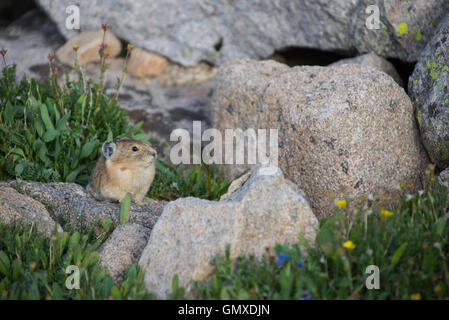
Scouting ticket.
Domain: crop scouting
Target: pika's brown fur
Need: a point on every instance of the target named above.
(126, 165)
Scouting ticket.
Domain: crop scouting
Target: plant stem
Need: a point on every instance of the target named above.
(102, 70)
(209, 184)
(124, 72)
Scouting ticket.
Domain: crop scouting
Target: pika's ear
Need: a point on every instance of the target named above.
(109, 149)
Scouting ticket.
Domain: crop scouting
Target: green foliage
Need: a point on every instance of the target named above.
(133, 287)
(410, 248)
(124, 209)
(171, 183)
(51, 133)
(33, 267)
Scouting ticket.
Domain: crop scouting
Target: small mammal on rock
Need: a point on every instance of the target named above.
(126, 165)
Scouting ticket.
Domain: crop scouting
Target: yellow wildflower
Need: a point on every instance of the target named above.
(386, 213)
(437, 289)
(415, 296)
(342, 204)
(349, 245)
(75, 47)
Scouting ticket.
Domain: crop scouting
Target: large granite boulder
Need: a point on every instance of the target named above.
(267, 209)
(344, 131)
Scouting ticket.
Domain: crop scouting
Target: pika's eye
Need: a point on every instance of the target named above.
(135, 149)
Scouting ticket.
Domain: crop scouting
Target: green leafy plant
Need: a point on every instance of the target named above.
(33, 266)
(53, 133)
(198, 181)
(124, 209)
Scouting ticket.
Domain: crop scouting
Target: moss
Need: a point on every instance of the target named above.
(444, 151)
(418, 35)
(419, 117)
(402, 29)
(428, 148)
(434, 69)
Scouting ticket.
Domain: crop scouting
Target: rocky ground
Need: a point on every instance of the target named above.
(357, 128)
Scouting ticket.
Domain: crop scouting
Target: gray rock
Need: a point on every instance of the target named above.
(75, 208)
(88, 46)
(372, 60)
(29, 40)
(190, 31)
(343, 131)
(235, 185)
(123, 248)
(164, 109)
(443, 178)
(143, 64)
(429, 90)
(406, 27)
(191, 232)
(18, 207)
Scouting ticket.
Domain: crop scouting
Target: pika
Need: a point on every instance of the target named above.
(126, 165)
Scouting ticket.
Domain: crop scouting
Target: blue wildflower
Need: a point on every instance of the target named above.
(281, 258)
(306, 296)
(300, 264)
